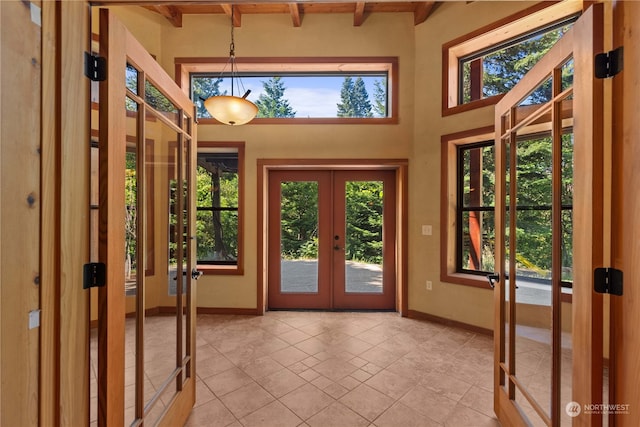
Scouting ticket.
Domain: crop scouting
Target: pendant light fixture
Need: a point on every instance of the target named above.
(231, 110)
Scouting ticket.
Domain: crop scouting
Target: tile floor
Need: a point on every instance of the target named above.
(340, 369)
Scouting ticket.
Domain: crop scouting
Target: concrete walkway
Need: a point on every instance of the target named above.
(301, 276)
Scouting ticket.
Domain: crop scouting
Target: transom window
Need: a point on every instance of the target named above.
(481, 66)
(299, 90)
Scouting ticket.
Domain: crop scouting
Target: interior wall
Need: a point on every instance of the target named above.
(461, 303)
(274, 35)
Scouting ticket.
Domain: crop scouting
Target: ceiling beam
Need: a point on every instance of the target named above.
(422, 11)
(296, 17)
(172, 13)
(229, 10)
(358, 15)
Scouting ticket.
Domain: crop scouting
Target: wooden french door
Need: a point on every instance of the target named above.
(332, 239)
(146, 313)
(548, 334)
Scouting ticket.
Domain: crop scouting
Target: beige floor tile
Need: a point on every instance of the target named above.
(307, 401)
(335, 369)
(227, 381)
(461, 416)
(281, 382)
(211, 414)
(275, 414)
(246, 400)
(446, 385)
(391, 384)
(429, 403)
(337, 415)
(323, 369)
(402, 415)
(366, 401)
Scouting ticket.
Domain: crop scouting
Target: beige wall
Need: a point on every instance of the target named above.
(416, 137)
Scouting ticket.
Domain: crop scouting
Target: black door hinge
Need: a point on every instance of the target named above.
(607, 281)
(95, 275)
(95, 67)
(608, 64)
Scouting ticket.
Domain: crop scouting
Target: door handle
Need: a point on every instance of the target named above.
(493, 279)
(195, 274)
(337, 248)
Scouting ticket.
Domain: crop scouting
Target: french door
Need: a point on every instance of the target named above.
(332, 239)
(146, 310)
(548, 334)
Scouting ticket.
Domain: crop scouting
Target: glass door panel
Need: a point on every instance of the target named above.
(363, 237)
(542, 242)
(299, 226)
(364, 240)
(145, 344)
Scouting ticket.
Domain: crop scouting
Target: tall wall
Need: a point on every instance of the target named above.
(417, 136)
(450, 20)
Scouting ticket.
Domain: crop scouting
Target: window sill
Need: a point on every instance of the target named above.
(227, 270)
(472, 105)
(466, 279)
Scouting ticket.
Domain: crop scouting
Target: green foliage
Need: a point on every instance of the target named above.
(216, 231)
(379, 98)
(203, 88)
(364, 204)
(271, 103)
(354, 99)
(506, 67)
(299, 219)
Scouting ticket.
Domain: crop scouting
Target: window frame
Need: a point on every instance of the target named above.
(485, 38)
(184, 67)
(449, 150)
(238, 268)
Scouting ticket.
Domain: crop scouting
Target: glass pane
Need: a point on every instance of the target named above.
(158, 101)
(305, 95)
(217, 206)
(505, 65)
(478, 241)
(363, 242)
(160, 333)
(533, 418)
(567, 75)
(532, 273)
(131, 76)
(299, 237)
(478, 176)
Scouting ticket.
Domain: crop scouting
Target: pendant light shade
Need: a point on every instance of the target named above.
(231, 110)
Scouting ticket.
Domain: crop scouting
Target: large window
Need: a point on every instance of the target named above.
(218, 201)
(299, 90)
(481, 66)
(468, 207)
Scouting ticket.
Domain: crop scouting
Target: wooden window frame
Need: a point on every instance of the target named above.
(185, 66)
(238, 269)
(449, 204)
(511, 27)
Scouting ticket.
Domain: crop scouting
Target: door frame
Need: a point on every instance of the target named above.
(400, 166)
(583, 40)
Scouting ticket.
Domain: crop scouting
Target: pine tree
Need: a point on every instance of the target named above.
(379, 99)
(271, 103)
(355, 99)
(203, 88)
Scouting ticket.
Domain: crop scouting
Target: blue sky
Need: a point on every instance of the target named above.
(309, 97)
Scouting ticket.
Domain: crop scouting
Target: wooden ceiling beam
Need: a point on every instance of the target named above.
(234, 12)
(172, 13)
(422, 11)
(296, 15)
(358, 15)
